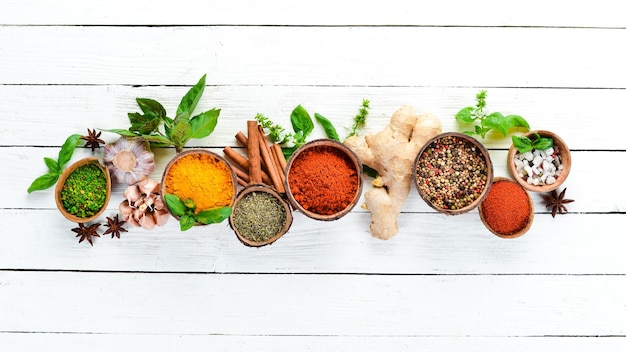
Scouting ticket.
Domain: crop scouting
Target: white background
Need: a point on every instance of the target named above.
(442, 283)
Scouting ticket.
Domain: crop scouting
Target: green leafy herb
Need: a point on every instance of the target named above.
(525, 144)
(489, 121)
(360, 118)
(55, 167)
(185, 210)
(176, 131)
(330, 130)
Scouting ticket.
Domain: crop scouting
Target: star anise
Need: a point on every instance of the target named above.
(114, 227)
(557, 202)
(93, 139)
(86, 233)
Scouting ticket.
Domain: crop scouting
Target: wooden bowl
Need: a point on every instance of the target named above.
(61, 182)
(271, 191)
(166, 188)
(520, 230)
(566, 160)
(425, 175)
(327, 146)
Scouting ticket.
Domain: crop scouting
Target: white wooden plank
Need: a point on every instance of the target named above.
(283, 12)
(313, 305)
(27, 342)
(26, 164)
(401, 56)
(31, 115)
(426, 244)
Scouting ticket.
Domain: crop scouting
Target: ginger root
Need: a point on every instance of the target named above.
(392, 152)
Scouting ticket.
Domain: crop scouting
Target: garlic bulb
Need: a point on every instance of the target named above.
(129, 161)
(143, 205)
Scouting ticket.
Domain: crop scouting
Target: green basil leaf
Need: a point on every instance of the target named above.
(213, 216)
(153, 107)
(466, 115)
(301, 121)
(204, 124)
(330, 130)
(497, 122)
(43, 182)
(516, 121)
(543, 143)
(121, 132)
(144, 124)
(190, 100)
(482, 131)
(175, 204)
(65, 154)
(53, 165)
(288, 151)
(180, 132)
(522, 144)
(186, 222)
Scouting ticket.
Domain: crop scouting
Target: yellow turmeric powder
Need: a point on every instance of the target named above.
(202, 177)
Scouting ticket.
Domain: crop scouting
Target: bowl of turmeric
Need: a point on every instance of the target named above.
(323, 179)
(199, 177)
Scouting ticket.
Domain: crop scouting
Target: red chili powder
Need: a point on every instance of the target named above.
(323, 180)
(506, 207)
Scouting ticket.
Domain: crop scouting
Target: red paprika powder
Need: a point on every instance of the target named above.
(507, 208)
(323, 180)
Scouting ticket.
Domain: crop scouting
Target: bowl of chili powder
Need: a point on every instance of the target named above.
(453, 173)
(323, 179)
(508, 210)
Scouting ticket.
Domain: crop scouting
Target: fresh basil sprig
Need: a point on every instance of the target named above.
(526, 144)
(55, 167)
(488, 122)
(186, 211)
(177, 131)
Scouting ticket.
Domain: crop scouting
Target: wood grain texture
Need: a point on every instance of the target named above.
(603, 13)
(321, 56)
(442, 283)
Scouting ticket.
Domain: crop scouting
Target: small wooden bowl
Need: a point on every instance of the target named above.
(522, 230)
(481, 151)
(336, 147)
(61, 182)
(272, 191)
(566, 160)
(233, 176)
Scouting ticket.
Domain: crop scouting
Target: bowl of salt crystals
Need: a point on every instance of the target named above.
(540, 170)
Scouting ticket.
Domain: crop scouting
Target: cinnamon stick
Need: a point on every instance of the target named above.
(243, 140)
(276, 151)
(254, 154)
(267, 158)
(242, 162)
(280, 156)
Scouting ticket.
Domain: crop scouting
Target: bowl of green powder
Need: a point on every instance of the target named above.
(83, 190)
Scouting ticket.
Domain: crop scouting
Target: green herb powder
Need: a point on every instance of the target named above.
(258, 216)
(84, 191)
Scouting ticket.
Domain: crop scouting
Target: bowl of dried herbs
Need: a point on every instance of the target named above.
(83, 190)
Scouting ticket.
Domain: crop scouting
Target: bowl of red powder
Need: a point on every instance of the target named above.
(323, 179)
(508, 210)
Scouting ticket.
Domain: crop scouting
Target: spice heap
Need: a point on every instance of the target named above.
(507, 209)
(258, 216)
(84, 192)
(323, 179)
(200, 176)
(539, 167)
(271, 162)
(451, 173)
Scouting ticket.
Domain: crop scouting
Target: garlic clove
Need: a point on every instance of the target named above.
(132, 194)
(147, 221)
(148, 186)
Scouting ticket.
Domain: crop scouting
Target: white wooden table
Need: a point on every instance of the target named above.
(442, 283)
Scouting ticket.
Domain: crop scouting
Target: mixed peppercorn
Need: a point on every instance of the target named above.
(451, 173)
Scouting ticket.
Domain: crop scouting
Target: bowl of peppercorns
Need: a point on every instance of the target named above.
(453, 173)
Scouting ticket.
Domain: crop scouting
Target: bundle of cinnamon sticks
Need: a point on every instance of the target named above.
(265, 163)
